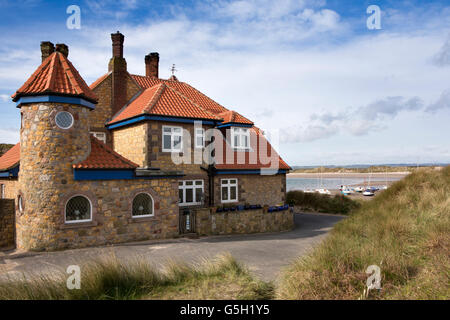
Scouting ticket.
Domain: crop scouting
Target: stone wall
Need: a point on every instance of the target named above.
(112, 222)
(7, 223)
(241, 222)
(11, 187)
(255, 189)
(131, 142)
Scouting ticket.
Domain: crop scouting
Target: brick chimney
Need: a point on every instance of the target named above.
(152, 64)
(64, 49)
(47, 48)
(118, 67)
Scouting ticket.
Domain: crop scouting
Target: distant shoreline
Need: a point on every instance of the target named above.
(400, 174)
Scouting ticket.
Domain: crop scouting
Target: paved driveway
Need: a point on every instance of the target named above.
(264, 254)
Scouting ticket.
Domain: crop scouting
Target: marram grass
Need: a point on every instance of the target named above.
(107, 279)
(405, 231)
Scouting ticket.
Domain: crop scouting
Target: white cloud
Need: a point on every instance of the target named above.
(9, 135)
(277, 63)
(442, 103)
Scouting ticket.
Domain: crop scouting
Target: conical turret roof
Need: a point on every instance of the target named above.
(56, 75)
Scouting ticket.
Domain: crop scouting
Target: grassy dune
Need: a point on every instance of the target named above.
(405, 231)
(221, 278)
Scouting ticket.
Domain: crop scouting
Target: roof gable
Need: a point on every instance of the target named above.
(56, 75)
(162, 99)
(190, 92)
(233, 117)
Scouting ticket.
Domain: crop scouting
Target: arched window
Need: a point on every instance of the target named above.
(142, 206)
(78, 209)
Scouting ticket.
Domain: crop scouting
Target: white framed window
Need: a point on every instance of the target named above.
(240, 138)
(229, 190)
(78, 209)
(199, 138)
(64, 120)
(143, 206)
(2, 191)
(190, 192)
(100, 136)
(172, 139)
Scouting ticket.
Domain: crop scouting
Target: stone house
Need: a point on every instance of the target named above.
(131, 158)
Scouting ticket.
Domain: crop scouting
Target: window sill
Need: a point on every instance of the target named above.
(190, 204)
(141, 219)
(173, 151)
(242, 149)
(230, 201)
(77, 225)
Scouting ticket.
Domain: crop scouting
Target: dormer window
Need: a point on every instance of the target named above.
(199, 138)
(172, 139)
(240, 138)
(100, 136)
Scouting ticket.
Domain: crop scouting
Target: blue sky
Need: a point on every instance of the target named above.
(335, 91)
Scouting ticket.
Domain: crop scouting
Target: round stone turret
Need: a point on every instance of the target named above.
(54, 136)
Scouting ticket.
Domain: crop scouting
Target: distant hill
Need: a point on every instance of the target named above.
(5, 147)
(362, 168)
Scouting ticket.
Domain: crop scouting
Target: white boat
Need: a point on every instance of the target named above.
(323, 191)
(359, 189)
(368, 193)
(308, 191)
(346, 191)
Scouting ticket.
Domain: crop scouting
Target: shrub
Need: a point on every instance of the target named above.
(321, 202)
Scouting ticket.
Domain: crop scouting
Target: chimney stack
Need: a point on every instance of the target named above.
(117, 44)
(118, 67)
(64, 49)
(47, 48)
(152, 64)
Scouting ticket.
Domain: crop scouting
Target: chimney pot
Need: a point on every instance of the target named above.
(152, 64)
(117, 44)
(47, 48)
(62, 48)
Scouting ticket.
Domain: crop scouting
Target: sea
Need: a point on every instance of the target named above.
(333, 183)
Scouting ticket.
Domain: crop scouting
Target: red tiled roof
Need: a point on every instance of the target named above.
(98, 81)
(248, 162)
(11, 158)
(207, 104)
(191, 93)
(162, 99)
(57, 75)
(103, 157)
(233, 117)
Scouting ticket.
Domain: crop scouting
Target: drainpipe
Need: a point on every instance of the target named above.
(211, 173)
